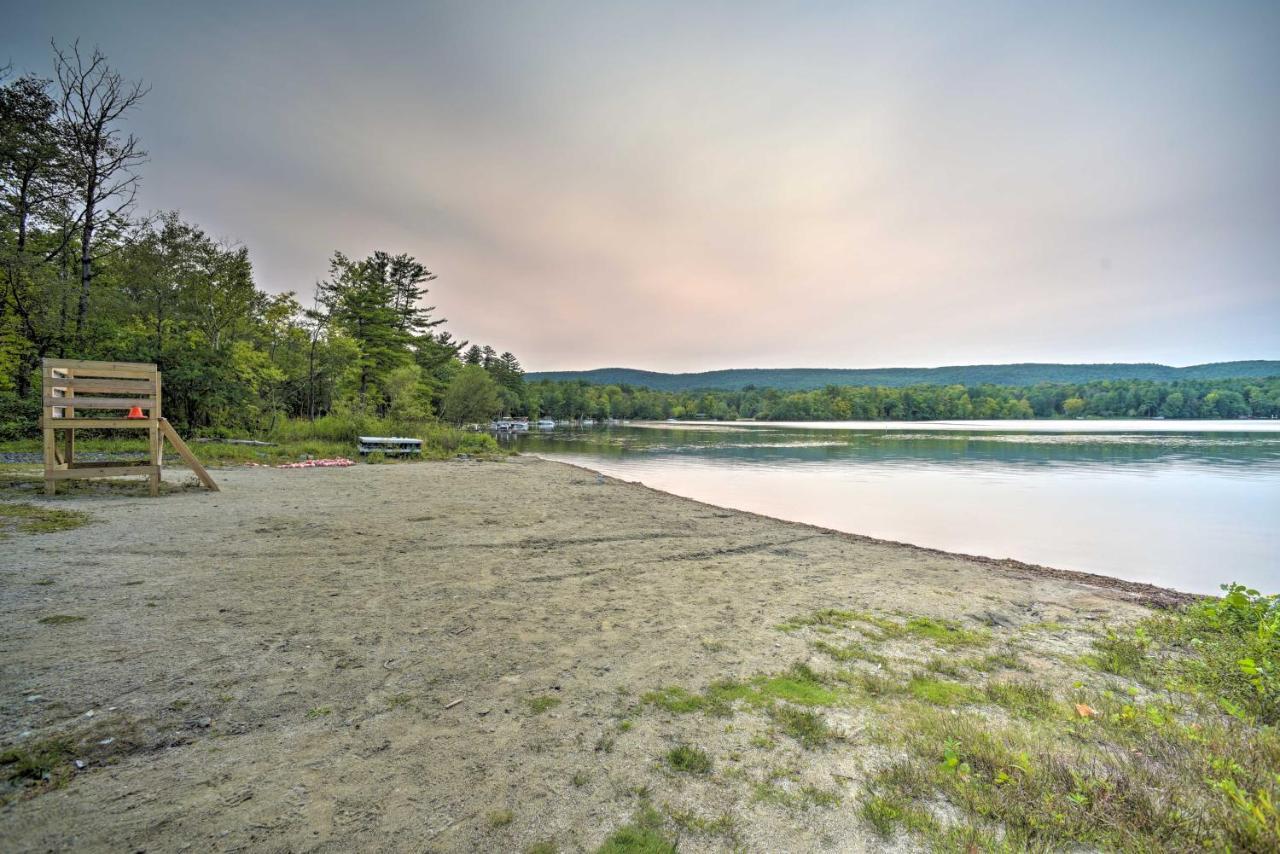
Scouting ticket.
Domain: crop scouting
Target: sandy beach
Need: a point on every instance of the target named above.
(454, 656)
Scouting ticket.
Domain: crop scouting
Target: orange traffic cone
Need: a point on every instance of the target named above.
(136, 412)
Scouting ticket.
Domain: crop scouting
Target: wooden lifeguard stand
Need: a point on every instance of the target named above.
(80, 395)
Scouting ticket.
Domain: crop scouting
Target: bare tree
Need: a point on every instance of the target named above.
(94, 100)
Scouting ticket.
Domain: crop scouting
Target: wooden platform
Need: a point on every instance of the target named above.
(84, 395)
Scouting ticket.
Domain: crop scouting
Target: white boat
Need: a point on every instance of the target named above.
(588, 422)
(510, 425)
(546, 424)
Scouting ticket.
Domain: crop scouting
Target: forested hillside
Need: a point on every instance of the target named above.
(805, 379)
(1229, 398)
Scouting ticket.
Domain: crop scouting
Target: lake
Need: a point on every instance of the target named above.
(1182, 504)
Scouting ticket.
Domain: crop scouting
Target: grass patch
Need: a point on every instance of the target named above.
(1005, 659)
(691, 822)
(40, 762)
(312, 714)
(1025, 699)
(805, 726)
(60, 619)
(540, 704)
(946, 633)
(645, 834)
(804, 797)
(800, 684)
(940, 692)
(688, 759)
(501, 818)
(852, 651)
(33, 519)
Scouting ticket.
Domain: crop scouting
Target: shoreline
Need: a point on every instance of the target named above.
(1151, 595)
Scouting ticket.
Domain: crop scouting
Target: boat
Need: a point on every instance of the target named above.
(510, 425)
(546, 424)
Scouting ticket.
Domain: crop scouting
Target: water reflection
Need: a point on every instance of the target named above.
(1184, 509)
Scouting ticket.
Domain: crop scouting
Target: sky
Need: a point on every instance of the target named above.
(690, 186)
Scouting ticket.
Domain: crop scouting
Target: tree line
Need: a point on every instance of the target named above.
(1229, 398)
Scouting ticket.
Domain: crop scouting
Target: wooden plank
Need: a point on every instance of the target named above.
(108, 464)
(183, 451)
(88, 365)
(147, 387)
(99, 423)
(54, 375)
(99, 471)
(102, 402)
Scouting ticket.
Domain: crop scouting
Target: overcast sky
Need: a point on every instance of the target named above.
(691, 186)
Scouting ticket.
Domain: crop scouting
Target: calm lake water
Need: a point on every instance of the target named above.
(1186, 504)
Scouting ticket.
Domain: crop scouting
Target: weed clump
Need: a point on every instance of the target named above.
(643, 835)
(543, 703)
(805, 726)
(688, 759)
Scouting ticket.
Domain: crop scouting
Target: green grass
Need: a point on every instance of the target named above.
(800, 685)
(1226, 650)
(688, 759)
(645, 834)
(1026, 699)
(501, 818)
(945, 633)
(805, 726)
(940, 692)
(33, 519)
(540, 704)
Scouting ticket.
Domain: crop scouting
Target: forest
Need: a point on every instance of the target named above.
(85, 274)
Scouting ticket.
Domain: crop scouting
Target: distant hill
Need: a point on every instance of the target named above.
(798, 379)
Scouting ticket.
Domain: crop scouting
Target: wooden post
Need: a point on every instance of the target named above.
(50, 460)
(156, 441)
